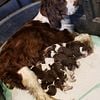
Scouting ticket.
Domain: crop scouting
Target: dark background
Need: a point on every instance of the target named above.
(86, 19)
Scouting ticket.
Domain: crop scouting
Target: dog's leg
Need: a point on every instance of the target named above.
(70, 75)
(29, 80)
(67, 86)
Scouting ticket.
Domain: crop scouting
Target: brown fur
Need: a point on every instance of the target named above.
(26, 47)
(54, 10)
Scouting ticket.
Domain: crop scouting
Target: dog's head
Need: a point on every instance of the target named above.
(56, 10)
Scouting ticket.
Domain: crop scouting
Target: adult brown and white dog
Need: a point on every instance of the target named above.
(56, 13)
(25, 49)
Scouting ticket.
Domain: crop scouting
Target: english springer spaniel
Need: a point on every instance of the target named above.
(21, 54)
(22, 57)
(56, 13)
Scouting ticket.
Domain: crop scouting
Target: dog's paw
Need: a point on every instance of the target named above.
(70, 76)
(67, 87)
(72, 79)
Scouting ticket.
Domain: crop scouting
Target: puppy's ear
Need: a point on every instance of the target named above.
(54, 10)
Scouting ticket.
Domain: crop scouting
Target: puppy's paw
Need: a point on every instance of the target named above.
(67, 87)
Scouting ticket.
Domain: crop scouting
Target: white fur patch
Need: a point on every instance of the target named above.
(52, 53)
(41, 18)
(71, 9)
(40, 81)
(49, 61)
(64, 44)
(45, 67)
(30, 81)
(57, 47)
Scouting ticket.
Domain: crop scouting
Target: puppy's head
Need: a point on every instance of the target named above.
(86, 41)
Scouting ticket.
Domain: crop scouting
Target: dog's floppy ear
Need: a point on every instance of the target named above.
(54, 10)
